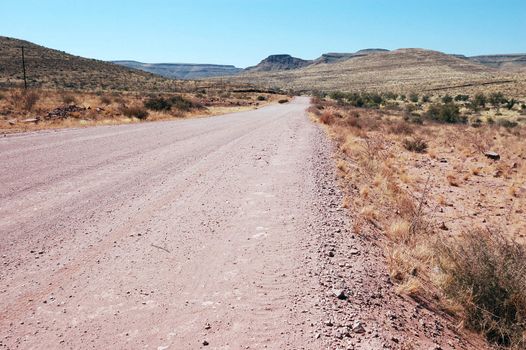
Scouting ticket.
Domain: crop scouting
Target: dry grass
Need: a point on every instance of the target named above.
(485, 272)
(422, 202)
(36, 109)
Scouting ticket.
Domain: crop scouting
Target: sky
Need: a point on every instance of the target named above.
(242, 32)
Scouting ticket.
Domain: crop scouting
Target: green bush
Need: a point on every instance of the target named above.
(506, 123)
(157, 104)
(511, 103)
(445, 113)
(413, 97)
(180, 103)
(462, 98)
(389, 96)
(447, 99)
(261, 98)
(496, 99)
(479, 101)
(426, 98)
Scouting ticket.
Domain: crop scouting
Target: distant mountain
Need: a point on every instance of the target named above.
(399, 70)
(50, 68)
(278, 63)
(182, 70)
(333, 57)
(514, 62)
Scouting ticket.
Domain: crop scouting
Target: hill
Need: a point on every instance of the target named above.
(278, 63)
(512, 63)
(48, 68)
(182, 70)
(399, 70)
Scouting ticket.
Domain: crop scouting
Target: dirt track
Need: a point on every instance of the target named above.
(218, 233)
(163, 234)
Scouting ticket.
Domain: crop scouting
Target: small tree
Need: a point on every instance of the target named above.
(447, 99)
(497, 99)
(480, 100)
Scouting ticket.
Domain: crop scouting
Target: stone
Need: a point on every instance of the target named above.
(339, 293)
(357, 327)
(492, 155)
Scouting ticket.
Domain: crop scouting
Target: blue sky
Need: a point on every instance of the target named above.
(242, 32)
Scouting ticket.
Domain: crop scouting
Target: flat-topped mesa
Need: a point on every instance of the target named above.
(279, 62)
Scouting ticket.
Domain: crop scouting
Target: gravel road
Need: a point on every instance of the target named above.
(166, 235)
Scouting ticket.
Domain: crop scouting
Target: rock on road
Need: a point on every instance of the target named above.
(166, 235)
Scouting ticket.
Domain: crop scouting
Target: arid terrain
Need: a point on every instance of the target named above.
(366, 200)
(442, 189)
(403, 70)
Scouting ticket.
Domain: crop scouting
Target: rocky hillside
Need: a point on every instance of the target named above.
(399, 70)
(48, 68)
(182, 70)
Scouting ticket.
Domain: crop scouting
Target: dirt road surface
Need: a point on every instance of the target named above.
(219, 233)
(168, 235)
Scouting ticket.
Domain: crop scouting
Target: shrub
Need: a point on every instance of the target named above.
(24, 99)
(413, 97)
(390, 96)
(157, 104)
(182, 103)
(496, 99)
(401, 128)
(134, 112)
(337, 95)
(447, 99)
(511, 103)
(417, 145)
(507, 123)
(445, 113)
(479, 100)
(485, 274)
(462, 98)
(261, 98)
(69, 99)
(283, 101)
(426, 98)
(105, 100)
(326, 117)
(30, 98)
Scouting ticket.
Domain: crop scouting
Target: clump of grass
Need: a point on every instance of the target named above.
(401, 128)
(24, 99)
(485, 273)
(417, 145)
(69, 99)
(134, 112)
(326, 118)
(105, 100)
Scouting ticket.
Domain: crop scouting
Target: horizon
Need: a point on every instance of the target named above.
(248, 34)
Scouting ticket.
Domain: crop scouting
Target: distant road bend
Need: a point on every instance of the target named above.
(166, 235)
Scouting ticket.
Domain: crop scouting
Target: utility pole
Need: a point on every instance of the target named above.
(24, 67)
